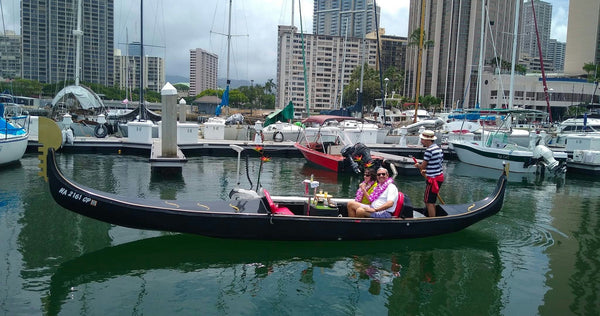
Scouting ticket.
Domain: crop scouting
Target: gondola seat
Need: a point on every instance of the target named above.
(276, 209)
(404, 208)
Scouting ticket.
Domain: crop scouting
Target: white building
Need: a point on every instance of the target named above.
(127, 72)
(529, 92)
(328, 67)
(203, 71)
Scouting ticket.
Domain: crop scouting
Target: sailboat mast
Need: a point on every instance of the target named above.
(481, 55)
(539, 45)
(419, 61)
(343, 65)
(78, 34)
(142, 107)
(303, 60)
(511, 89)
(228, 43)
(362, 64)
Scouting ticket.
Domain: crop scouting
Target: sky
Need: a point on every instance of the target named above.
(173, 27)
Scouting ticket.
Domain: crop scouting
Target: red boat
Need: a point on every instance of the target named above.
(326, 146)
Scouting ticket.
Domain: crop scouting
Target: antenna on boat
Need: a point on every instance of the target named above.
(239, 151)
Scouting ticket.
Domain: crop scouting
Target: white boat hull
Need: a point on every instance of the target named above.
(495, 158)
(12, 148)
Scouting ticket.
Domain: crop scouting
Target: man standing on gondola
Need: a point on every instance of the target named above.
(432, 169)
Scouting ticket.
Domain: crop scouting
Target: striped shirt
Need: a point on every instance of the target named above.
(435, 158)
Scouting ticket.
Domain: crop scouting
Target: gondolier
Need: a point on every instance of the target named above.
(432, 169)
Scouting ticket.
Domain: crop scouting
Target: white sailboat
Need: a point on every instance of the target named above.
(77, 98)
(13, 135)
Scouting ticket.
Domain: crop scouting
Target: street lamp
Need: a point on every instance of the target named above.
(358, 102)
(387, 80)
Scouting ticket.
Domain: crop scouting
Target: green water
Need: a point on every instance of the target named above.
(539, 255)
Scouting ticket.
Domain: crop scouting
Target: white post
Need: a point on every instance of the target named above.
(169, 121)
(182, 110)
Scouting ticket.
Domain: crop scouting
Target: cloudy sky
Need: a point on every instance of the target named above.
(174, 27)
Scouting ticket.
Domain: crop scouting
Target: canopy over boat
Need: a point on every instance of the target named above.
(87, 98)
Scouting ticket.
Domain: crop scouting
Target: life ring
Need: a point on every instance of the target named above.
(278, 136)
(100, 131)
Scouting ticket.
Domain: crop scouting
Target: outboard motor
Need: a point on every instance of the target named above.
(544, 153)
(356, 155)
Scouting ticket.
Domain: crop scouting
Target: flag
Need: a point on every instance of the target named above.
(224, 101)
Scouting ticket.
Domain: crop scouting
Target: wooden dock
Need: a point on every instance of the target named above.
(158, 161)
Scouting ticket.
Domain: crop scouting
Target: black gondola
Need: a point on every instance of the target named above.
(254, 218)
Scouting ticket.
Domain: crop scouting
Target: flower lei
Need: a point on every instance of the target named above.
(380, 189)
(360, 193)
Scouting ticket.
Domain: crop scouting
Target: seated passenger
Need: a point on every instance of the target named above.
(366, 187)
(382, 200)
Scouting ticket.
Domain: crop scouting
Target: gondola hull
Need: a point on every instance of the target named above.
(252, 219)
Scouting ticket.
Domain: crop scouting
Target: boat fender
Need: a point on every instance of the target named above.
(67, 136)
(100, 131)
(278, 137)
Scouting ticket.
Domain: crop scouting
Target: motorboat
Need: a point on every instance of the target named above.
(282, 131)
(333, 150)
(493, 149)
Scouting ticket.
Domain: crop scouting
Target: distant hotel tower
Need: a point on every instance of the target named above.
(583, 35)
(352, 18)
(49, 45)
(449, 67)
(543, 15)
(203, 71)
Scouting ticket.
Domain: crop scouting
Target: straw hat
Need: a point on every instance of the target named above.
(428, 135)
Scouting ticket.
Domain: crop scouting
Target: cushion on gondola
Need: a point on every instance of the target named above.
(276, 209)
(403, 207)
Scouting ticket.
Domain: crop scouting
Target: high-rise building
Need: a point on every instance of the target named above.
(556, 54)
(583, 36)
(127, 72)
(450, 64)
(10, 56)
(393, 53)
(49, 46)
(543, 16)
(203, 71)
(330, 61)
(352, 18)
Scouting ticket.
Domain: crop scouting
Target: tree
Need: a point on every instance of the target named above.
(415, 39)
(592, 71)
(270, 86)
(430, 102)
(181, 87)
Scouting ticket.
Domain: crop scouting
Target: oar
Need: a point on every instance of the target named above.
(424, 176)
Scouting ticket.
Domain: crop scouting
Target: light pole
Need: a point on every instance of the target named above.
(358, 101)
(387, 80)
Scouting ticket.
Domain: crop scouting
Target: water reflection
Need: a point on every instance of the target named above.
(397, 273)
(461, 169)
(167, 186)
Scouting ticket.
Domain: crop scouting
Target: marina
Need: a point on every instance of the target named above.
(56, 262)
